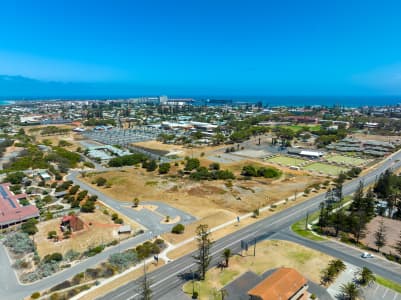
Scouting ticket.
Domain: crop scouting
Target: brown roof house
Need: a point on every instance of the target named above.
(283, 284)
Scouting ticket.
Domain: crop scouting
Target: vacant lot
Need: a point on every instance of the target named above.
(270, 255)
(201, 198)
(325, 168)
(286, 160)
(392, 233)
(178, 150)
(98, 229)
(349, 160)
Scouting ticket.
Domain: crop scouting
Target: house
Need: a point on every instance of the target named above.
(71, 223)
(283, 284)
(45, 176)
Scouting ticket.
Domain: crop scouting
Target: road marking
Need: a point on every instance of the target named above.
(385, 292)
(395, 296)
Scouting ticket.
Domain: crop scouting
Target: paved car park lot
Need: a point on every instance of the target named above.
(376, 292)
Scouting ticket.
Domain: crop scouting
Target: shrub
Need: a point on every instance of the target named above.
(53, 257)
(164, 168)
(192, 164)
(178, 229)
(100, 181)
(29, 226)
(51, 234)
(123, 260)
(71, 255)
(35, 295)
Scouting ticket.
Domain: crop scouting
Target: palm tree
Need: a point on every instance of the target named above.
(365, 276)
(226, 255)
(338, 265)
(350, 291)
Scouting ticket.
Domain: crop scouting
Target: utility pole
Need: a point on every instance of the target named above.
(254, 247)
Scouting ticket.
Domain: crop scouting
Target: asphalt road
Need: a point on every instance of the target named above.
(173, 275)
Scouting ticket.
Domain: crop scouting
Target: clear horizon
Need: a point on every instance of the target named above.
(309, 48)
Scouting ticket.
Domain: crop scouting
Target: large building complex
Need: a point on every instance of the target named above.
(11, 212)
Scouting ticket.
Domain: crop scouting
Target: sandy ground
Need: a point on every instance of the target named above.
(98, 229)
(393, 228)
(269, 255)
(201, 199)
(179, 150)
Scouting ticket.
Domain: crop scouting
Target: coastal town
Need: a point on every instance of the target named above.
(198, 198)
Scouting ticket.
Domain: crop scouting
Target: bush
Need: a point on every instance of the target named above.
(164, 168)
(178, 229)
(123, 260)
(54, 257)
(100, 181)
(35, 295)
(192, 164)
(71, 255)
(51, 234)
(29, 226)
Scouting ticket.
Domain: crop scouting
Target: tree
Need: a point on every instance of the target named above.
(145, 292)
(51, 234)
(365, 276)
(178, 229)
(350, 291)
(191, 164)
(29, 226)
(164, 168)
(358, 198)
(203, 257)
(227, 255)
(135, 202)
(151, 166)
(380, 236)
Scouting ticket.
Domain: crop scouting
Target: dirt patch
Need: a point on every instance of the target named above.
(213, 220)
(98, 229)
(201, 198)
(392, 233)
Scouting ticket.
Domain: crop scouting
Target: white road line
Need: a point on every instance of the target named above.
(385, 293)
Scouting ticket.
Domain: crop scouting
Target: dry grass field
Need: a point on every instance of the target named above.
(270, 254)
(70, 137)
(201, 198)
(98, 229)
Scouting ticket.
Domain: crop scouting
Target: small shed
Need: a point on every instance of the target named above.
(124, 229)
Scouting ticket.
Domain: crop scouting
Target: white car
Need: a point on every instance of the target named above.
(367, 255)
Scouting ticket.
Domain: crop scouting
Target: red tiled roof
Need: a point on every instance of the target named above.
(282, 284)
(10, 209)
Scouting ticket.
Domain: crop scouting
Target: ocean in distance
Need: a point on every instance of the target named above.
(268, 101)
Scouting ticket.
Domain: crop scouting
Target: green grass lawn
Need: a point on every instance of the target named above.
(299, 228)
(325, 168)
(287, 161)
(388, 283)
(346, 159)
(297, 128)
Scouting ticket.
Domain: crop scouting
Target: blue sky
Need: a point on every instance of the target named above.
(309, 47)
